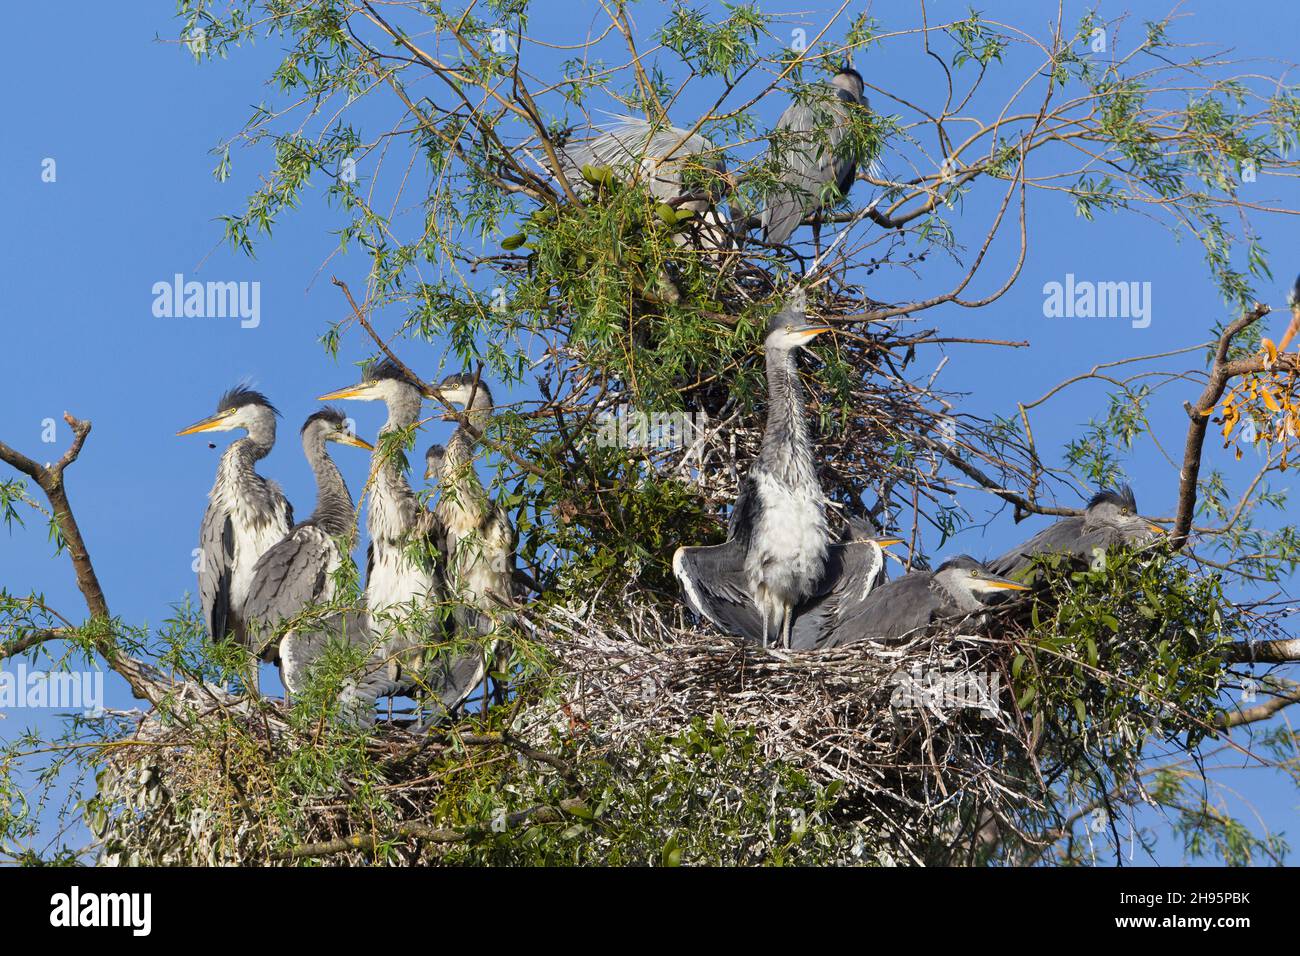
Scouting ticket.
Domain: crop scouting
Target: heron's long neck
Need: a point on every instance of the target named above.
(460, 479)
(393, 503)
(239, 463)
(333, 503)
(786, 448)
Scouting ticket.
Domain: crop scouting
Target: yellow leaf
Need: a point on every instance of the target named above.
(1270, 401)
(1270, 350)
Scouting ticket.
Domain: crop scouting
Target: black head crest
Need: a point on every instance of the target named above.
(458, 380)
(327, 414)
(1121, 497)
(961, 562)
(242, 395)
(386, 368)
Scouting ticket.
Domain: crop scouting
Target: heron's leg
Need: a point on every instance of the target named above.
(817, 236)
(786, 620)
(762, 612)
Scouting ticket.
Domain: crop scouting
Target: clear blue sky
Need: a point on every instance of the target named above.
(130, 121)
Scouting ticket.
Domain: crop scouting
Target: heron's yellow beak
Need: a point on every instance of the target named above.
(812, 332)
(351, 391)
(210, 424)
(1156, 528)
(1007, 586)
(887, 542)
(354, 441)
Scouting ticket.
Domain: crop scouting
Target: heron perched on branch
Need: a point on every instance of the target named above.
(906, 606)
(479, 538)
(778, 523)
(680, 168)
(1110, 520)
(298, 572)
(404, 588)
(815, 164)
(246, 513)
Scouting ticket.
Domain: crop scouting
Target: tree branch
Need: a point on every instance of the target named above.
(418, 831)
(1286, 693)
(143, 680)
(1220, 372)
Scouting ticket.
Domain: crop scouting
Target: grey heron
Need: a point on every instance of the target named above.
(246, 513)
(677, 166)
(1110, 520)
(810, 151)
(404, 590)
(480, 540)
(906, 606)
(779, 518)
(298, 572)
(714, 581)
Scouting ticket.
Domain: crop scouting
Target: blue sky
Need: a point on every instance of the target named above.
(130, 121)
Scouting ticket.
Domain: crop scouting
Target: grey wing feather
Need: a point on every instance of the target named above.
(1060, 537)
(894, 610)
(289, 578)
(746, 512)
(453, 679)
(216, 566)
(806, 165)
(850, 577)
(717, 589)
(303, 647)
(626, 144)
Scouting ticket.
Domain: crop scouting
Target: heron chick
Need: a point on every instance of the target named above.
(779, 518)
(907, 606)
(403, 580)
(297, 574)
(246, 513)
(1111, 520)
(480, 540)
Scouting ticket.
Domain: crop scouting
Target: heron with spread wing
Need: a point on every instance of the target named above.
(778, 531)
(714, 581)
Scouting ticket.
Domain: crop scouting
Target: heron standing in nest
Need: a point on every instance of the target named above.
(404, 589)
(778, 531)
(298, 572)
(480, 541)
(246, 513)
